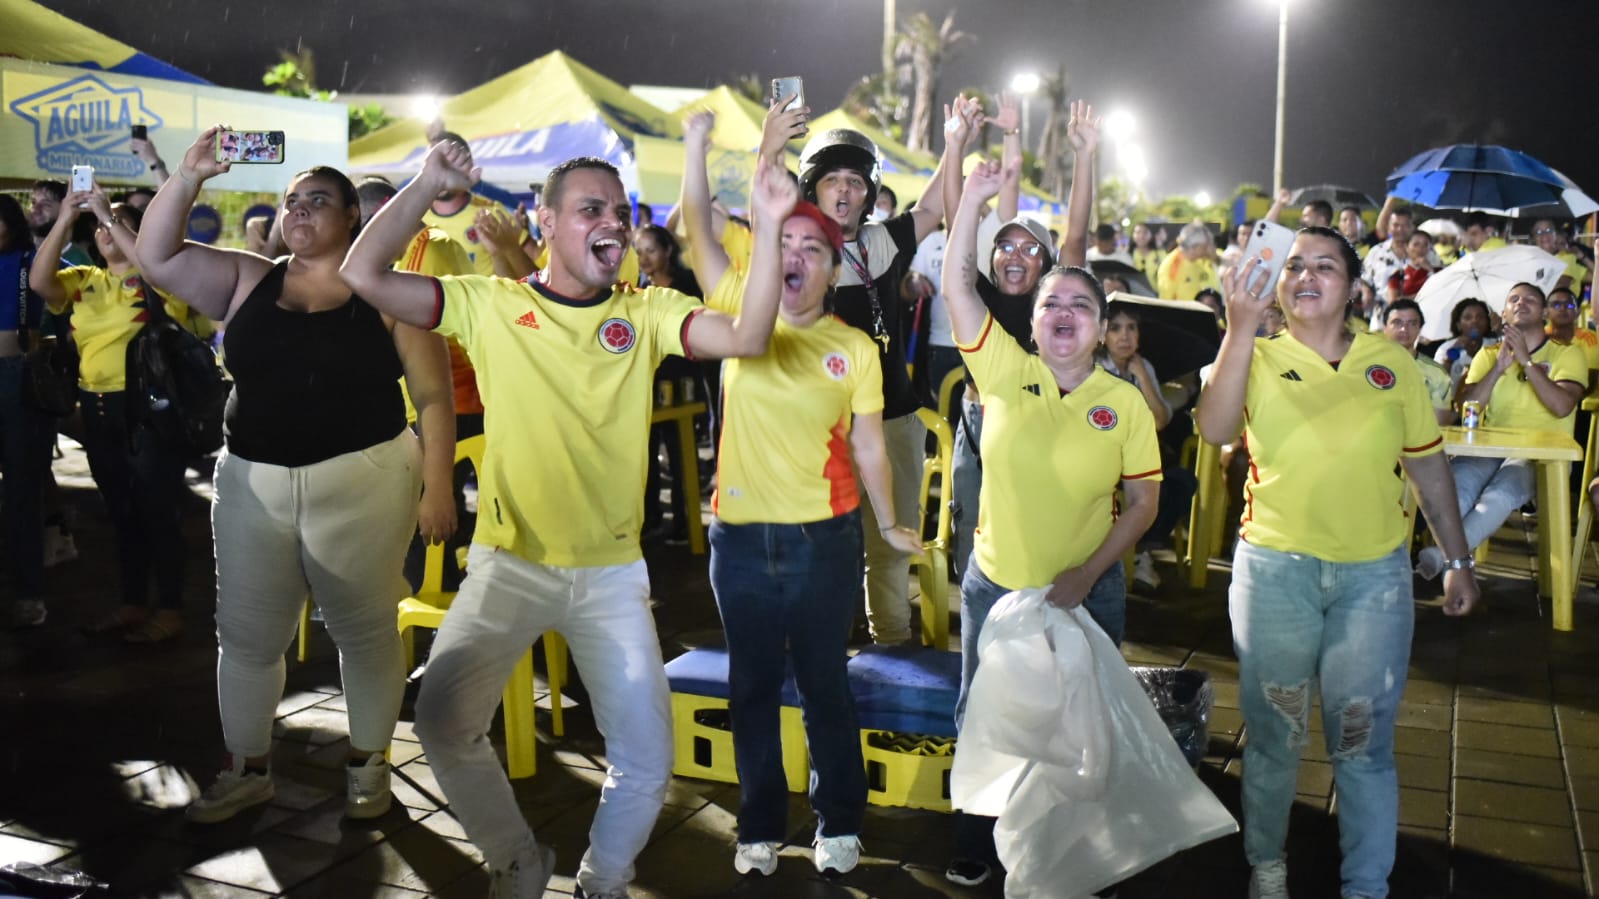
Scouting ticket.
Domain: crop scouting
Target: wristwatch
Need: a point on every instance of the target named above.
(1467, 562)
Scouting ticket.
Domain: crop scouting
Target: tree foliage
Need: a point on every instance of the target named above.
(294, 75)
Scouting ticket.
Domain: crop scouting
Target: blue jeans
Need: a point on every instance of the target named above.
(1106, 604)
(141, 481)
(796, 585)
(26, 435)
(966, 482)
(1296, 620)
(1488, 491)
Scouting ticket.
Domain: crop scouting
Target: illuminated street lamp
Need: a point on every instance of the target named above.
(1201, 198)
(425, 107)
(1025, 84)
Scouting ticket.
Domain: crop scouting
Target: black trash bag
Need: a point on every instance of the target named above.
(1183, 697)
(31, 881)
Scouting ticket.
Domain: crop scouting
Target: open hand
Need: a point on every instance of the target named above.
(200, 160)
(1082, 129)
(497, 230)
(1007, 117)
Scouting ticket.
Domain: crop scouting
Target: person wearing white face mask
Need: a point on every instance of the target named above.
(883, 208)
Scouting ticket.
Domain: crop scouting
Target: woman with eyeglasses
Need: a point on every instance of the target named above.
(138, 476)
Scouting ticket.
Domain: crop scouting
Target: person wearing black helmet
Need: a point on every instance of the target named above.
(840, 173)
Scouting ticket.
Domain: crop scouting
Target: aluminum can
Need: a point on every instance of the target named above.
(1471, 415)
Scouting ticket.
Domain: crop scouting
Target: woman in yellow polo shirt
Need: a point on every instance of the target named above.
(1060, 437)
(786, 543)
(138, 476)
(1321, 587)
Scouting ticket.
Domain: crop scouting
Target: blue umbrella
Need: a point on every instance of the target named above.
(1473, 177)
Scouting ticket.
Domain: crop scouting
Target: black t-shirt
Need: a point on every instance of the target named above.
(884, 250)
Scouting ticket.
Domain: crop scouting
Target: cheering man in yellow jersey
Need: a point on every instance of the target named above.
(556, 545)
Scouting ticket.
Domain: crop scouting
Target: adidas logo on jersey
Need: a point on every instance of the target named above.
(1033, 389)
(1290, 375)
(529, 320)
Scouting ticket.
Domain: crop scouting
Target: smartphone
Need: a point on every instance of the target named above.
(1271, 243)
(140, 132)
(792, 88)
(250, 147)
(82, 177)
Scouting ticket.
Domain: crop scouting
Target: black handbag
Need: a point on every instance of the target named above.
(50, 368)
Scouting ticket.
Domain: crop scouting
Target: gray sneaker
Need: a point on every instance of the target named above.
(234, 791)
(526, 877)
(367, 788)
(1269, 880)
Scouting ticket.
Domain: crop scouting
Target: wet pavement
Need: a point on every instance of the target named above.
(102, 745)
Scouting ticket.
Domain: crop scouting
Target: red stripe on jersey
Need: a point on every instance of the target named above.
(1424, 448)
(1142, 474)
(413, 263)
(438, 304)
(682, 334)
(840, 476)
(988, 325)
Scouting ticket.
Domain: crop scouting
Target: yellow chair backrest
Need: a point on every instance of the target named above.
(948, 389)
(938, 465)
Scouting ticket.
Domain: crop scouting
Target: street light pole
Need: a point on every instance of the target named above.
(1282, 89)
(888, 39)
(1026, 84)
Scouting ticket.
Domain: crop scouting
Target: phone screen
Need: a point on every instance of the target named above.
(250, 147)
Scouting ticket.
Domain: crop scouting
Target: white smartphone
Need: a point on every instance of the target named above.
(792, 88)
(1271, 243)
(82, 177)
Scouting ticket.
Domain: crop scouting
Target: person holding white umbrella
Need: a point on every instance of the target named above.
(1488, 275)
(1526, 381)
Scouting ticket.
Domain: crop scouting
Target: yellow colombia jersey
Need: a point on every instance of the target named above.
(1051, 463)
(463, 227)
(1440, 387)
(567, 385)
(785, 450)
(1182, 278)
(107, 310)
(1513, 403)
(1588, 342)
(1324, 444)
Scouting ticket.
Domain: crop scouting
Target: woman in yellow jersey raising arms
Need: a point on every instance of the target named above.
(786, 544)
(1060, 437)
(1321, 586)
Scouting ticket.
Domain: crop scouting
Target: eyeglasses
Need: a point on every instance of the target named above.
(1567, 304)
(1010, 246)
(1542, 231)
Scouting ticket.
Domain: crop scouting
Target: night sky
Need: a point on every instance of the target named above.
(1369, 83)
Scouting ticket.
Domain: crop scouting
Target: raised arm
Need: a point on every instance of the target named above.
(146, 151)
(1276, 210)
(1009, 121)
(928, 213)
(780, 127)
(712, 335)
(1082, 131)
(404, 296)
(42, 273)
(966, 310)
(502, 236)
(1220, 413)
(962, 119)
(710, 260)
(1389, 204)
(211, 280)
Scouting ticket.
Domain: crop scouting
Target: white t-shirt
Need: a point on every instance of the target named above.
(929, 261)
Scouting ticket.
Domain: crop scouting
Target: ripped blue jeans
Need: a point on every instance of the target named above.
(1299, 621)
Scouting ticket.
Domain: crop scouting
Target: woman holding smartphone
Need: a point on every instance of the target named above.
(316, 490)
(1321, 589)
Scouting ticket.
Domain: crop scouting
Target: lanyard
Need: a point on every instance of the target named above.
(863, 272)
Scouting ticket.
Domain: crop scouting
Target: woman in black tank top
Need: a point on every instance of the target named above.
(317, 490)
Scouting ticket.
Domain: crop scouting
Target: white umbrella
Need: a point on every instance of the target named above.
(1486, 276)
(1439, 227)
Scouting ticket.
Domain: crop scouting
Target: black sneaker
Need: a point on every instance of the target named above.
(967, 872)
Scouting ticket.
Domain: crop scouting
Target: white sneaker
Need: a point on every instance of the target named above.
(1144, 571)
(1269, 880)
(58, 546)
(367, 788)
(526, 877)
(839, 854)
(758, 857)
(234, 791)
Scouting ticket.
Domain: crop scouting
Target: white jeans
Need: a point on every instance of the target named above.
(1488, 491)
(506, 603)
(888, 608)
(336, 530)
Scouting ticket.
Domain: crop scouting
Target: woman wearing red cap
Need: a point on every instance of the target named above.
(786, 543)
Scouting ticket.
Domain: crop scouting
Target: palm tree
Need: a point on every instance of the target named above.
(874, 101)
(1054, 150)
(928, 48)
(750, 86)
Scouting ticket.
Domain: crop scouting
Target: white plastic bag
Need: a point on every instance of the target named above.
(1072, 757)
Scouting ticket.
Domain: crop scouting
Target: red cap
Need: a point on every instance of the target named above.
(830, 228)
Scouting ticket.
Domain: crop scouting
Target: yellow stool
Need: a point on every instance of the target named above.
(932, 563)
(907, 770)
(702, 733)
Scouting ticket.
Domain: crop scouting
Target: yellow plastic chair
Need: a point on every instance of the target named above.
(948, 389)
(932, 564)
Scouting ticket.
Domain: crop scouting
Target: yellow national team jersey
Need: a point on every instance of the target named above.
(738, 243)
(1513, 403)
(785, 450)
(567, 386)
(1324, 443)
(1440, 387)
(1588, 342)
(107, 310)
(1051, 463)
(463, 227)
(1182, 278)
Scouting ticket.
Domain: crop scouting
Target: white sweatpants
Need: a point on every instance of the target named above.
(336, 530)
